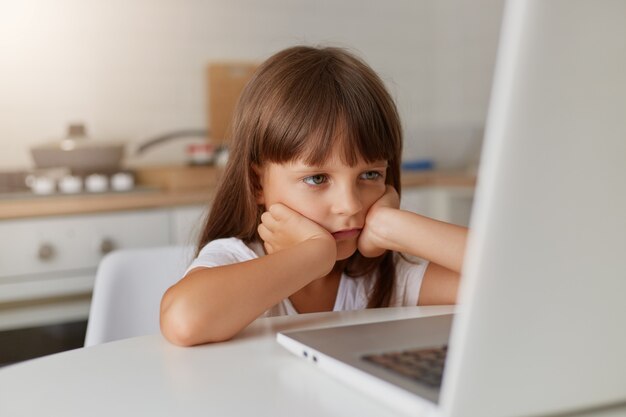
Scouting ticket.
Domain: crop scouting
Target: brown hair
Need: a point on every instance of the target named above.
(292, 108)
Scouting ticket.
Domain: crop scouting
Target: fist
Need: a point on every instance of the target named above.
(282, 228)
(371, 239)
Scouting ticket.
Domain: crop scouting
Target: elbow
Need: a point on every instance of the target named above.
(175, 324)
(177, 337)
(182, 326)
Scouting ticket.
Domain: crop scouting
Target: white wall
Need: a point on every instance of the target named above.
(134, 69)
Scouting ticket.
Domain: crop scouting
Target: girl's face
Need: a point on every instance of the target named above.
(334, 195)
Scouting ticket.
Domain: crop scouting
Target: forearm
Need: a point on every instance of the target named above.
(407, 232)
(214, 304)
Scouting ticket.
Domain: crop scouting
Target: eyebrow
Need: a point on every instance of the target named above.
(306, 168)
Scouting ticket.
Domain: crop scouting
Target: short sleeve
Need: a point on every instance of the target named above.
(221, 252)
(409, 277)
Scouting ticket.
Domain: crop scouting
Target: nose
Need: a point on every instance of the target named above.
(347, 201)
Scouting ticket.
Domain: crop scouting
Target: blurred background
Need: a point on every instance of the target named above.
(112, 118)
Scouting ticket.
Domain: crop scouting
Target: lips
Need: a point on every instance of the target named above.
(346, 233)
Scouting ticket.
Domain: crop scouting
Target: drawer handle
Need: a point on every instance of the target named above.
(106, 245)
(46, 252)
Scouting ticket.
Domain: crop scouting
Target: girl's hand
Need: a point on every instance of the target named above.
(282, 228)
(372, 237)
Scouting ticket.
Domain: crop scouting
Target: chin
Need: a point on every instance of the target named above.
(345, 250)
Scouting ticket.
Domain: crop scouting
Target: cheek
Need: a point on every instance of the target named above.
(373, 195)
(308, 204)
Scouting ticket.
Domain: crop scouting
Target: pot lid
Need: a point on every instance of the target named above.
(77, 138)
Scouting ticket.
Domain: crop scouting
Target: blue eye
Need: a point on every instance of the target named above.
(371, 175)
(318, 179)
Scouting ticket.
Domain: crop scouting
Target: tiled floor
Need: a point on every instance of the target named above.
(21, 344)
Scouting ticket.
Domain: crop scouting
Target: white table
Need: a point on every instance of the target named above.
(249, 376)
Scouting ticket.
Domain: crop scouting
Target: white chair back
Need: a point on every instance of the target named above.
(128, 289)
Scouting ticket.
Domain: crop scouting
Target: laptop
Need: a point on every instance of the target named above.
(540, 325)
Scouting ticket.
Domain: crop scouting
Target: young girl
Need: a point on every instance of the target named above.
(306, 216)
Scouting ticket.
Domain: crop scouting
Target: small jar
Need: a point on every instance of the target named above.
(200, 153)
(122, 181)
(41, 185)
(70, 184)
(96, 183)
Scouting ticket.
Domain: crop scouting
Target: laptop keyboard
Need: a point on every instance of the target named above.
(422, 365)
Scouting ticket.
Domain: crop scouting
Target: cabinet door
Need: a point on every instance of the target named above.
(65, 243)
(448, 204)
(48, 265)
(187, 223)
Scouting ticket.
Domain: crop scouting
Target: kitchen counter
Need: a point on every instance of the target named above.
(37, 206)
(26, 206)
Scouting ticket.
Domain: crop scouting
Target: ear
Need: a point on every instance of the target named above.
(258, 184)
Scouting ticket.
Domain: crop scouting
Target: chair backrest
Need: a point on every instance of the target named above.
(128, 289)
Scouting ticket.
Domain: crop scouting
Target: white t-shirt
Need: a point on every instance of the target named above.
(352, 293)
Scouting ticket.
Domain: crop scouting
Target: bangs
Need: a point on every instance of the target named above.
(325, 105)
(335, 129)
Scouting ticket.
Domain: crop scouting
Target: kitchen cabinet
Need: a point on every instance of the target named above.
(449, 204)
(48, 264)
(186, 224)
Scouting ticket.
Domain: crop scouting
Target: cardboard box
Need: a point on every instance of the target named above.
(226, 80)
